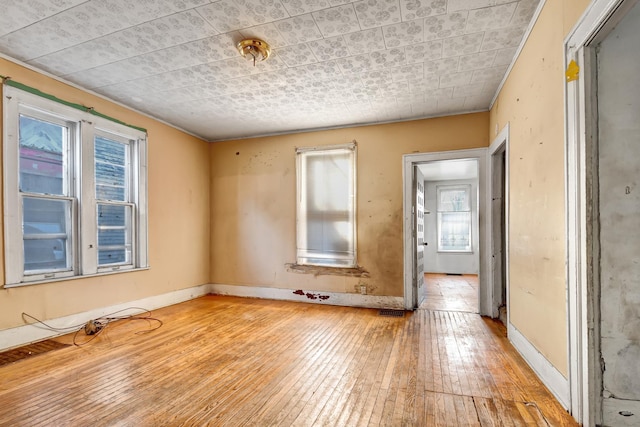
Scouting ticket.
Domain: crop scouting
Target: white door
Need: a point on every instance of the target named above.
(418, 240)
(618, 157)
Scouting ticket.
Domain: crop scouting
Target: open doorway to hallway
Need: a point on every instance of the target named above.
(451, 235)
(452, 244)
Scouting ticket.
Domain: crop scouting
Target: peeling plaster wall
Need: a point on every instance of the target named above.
(619, 204)
(253, 187)
(178, 181)
(532, 102)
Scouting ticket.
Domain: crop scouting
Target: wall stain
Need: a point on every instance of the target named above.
(623, 378)
(388, 251)
(327, 271)
(311, 296)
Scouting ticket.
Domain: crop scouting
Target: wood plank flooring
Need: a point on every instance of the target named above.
(451, 292)
(226, 361)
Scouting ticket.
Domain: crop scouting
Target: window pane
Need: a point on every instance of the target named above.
(328, 203)
(111, 169)
(455, 231)
(326, 217)
(454, 200)
(42, 160)
(46, 234)
(114, 234)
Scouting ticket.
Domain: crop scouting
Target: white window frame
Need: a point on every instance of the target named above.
(467, 189)
(84, 238)
(301, 252)
(130, 196)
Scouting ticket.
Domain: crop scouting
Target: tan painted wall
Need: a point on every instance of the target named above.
(532, 102)
(253, 207)
(179, 173)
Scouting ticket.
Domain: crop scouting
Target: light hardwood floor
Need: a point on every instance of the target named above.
(451, 292)
(232, 361)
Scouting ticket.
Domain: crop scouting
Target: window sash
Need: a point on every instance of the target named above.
(110, 243)
(326, 229)
(40, 156)
(30, 253)
(42, 249)
(112, 177)
(454, 219)
(113, 193)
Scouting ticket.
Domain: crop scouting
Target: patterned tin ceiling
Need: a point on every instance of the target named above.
(333, 63)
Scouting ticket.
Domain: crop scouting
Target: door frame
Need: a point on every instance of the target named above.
(596, 23)
(484, 256)
(499, 145)
(416, 243)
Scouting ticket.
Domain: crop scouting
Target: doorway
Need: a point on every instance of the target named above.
(499, 194)
(603, 152)
(617, 223)
(411, 163)
(451, 235)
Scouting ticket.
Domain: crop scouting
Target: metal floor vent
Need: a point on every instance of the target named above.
(391, 313)
(30, 350)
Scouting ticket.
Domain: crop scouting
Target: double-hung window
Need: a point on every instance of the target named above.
(326, 206)
(74, 192)
(454, 218)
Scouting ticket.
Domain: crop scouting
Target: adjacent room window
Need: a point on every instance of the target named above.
(326, 199)
(454, 218)
(74, 192)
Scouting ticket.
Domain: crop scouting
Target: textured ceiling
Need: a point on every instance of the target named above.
(334, 62)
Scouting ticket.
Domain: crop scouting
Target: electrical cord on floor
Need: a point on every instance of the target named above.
(47, 326)
(94, 327)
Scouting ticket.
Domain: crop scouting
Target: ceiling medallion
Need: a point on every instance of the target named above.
(254, 49)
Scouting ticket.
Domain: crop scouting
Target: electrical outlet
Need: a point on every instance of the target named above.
(363, 289)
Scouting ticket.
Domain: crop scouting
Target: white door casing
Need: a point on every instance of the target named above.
(409, 161)
(499, 210)
(581, 192)
(618, 222)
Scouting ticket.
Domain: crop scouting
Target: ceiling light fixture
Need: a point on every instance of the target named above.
(254, 49)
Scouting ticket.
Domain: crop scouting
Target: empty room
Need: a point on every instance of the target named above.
(296, 212)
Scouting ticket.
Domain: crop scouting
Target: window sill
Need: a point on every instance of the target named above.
(64, 279)
(318, 270)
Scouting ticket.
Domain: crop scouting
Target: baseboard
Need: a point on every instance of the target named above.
(314, 297)
(548, 374)
(21, 335)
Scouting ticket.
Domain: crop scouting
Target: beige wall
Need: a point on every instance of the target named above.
(179, 169)
(253, 207)
(532, 102)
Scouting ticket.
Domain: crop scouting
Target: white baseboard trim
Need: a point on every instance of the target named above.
(550, 376)
(21, 335)
(314, 297)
